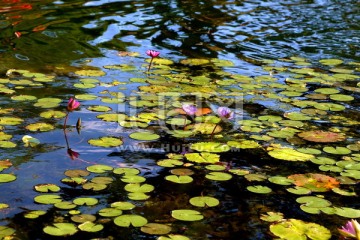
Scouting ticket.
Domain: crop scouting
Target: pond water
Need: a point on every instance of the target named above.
(286, 158)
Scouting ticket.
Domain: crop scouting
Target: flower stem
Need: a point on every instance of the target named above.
(212, 133)
(65, 121)
(150, 64)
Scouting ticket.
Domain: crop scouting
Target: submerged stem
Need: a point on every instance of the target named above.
(212, 133)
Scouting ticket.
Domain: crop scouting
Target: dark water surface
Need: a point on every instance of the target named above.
(60, 37)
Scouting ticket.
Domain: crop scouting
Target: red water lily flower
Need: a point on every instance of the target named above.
(72, 154)
(72, 105)
(152, 53)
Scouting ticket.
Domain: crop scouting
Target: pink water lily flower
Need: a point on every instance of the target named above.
(189, 109)
(72, 104)
(351, 230)
(152, 53)
(225, 112)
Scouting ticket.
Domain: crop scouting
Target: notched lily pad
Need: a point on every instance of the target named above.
(322, 136)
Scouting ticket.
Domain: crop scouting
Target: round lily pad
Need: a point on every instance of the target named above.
(106, 142)
(65, 205)
(128, 220)
(289, 154)
(99, 168)
(61, 229)
(186, 215)
(48, 199)
(218, 176)
(88, 201)
(337, 150)
(259, 189)
(110, 212)
(156, 228)
(47, 188)
(210, 147)
(99, 108)
(6, 177)
(179, 179)
(322, 136)
(90, 227)
(144, 136)
(204, 201)
(122, 205)
(40, 126)
(81, 218)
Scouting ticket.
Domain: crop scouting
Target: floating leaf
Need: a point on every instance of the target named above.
(76, 173)
(133, 179)
(47, 188)
(5, 177)
(243, 144)
(136, 187)
(91, 73)
(259, 189)
(88, 201)
(144, 136)
(289, 154)
(347, 212)
(99, 108)
(122, 205)
(179, 179)
(130, 220)
(186, 215)
(272, 216)
(281, 180)
(52, 114)
(204, 201)
(10, 121)
(322, 136)
(126, 171)
(110, 212)
(337, 150)
(48, 199)
(314, 181)
(210, 147)
(106, 142)
(32, 215)
(218, 176)
(156, 228)
(61, 229)
(42, 127)
(202, 157)
(173, 237)
(90, 227)
(297, 229)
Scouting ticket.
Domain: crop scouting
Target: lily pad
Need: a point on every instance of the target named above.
(90, 227)
(128, 220)
(289, 154)
(106, 142)
(322, 136)
(259, 189)
(210, 147)
(337, 150)
(61, 229)
(156, 228)
(48, 199)
(186, 215)
(40, 126)
(144, 136)
(314, 181)
(272, 216)
(203, 157)
(88, 201)
(204, 201)
(179, 179)
(297, 229)
(218, 176)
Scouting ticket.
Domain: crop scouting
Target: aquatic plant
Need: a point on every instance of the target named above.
(351, 229)
(153, 54)
(72, 104)
(189, 109)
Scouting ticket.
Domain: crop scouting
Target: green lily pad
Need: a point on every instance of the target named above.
(313, 202)
(203, 157)
(337, 150)
(40, 126)
(218, 176)
(329, 106)
(24, 98)
(99, 108)
(90, 73)
(99, 168)
(52, 114)
(289, 154)
(281, 180)
(61, 229)
(88, 201)
(128, 220)
(32, 215)
(331, 61)
(297, 116)
(48, 199)
(90, 227)
(10, 121)
(215, 167)
(47, 188)
(179, 179)
(94, 186)
(86, 97)
(169, 163)
(313, 151)
(76, 173)
(6, 177)
(297, 229)
(110, 212)
(243, 144)
(138, 196)
(272, 216)
(178, 121)
(347, 212)
(122, 205)
(106, 142)
(210, 147)
(112, 117)
(259, 189)
(204, 201)
(187, 215)
(81, 218)
(341, 97)
(156, 228)
(126, 171)
(173, 237)
(65, 205)
(133, 179)
(137, 187)
(144, 136)
(195, 61)
(7, 144)
(299, 190)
